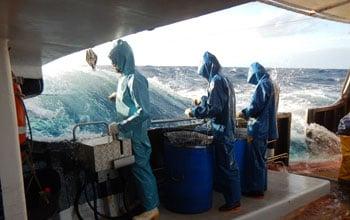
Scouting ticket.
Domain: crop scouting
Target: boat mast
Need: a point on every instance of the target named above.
(10, 162)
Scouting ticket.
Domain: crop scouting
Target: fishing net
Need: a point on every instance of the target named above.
(188, 138)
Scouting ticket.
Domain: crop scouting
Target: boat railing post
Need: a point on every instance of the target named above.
(11, 176)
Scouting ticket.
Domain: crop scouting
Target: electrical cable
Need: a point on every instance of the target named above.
(29, 157)
(80, 189)
(95, 199)
(124, 182)
(123, 217)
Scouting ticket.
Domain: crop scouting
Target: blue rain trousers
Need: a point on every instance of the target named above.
(255, 176)
(226, 178)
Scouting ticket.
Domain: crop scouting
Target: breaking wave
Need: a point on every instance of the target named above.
(80, 95)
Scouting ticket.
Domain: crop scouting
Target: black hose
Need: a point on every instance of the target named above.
(29, 126)
(125, 183)
(80, 189)
(26, 113)
(95, 200)
(125, 199)
(94, 208)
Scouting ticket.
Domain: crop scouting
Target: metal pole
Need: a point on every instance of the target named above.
(162, 121)
(11, 176)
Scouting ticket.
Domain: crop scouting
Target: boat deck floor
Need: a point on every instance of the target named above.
(323, 169)
(286, 193)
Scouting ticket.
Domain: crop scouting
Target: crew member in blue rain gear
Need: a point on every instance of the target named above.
(220, 107)
(133, 121)
(262, 126)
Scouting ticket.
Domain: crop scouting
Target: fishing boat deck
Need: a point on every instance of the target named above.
(286, 192)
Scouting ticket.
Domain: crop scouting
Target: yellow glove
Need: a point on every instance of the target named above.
(240, 115)
(250, 139)
(188, 113)
(196, 102)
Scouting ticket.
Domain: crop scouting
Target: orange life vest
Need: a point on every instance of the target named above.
(21, 115)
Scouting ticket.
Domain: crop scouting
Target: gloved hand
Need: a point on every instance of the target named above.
(250, 139)
(196, 102)
(188, 112)
(113, 129)
(270, 152)
(240, 115)
(112, 96)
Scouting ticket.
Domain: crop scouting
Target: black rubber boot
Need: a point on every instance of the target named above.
(229, 207)
(254, 194)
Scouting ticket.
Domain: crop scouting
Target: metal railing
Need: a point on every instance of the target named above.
(87, 124)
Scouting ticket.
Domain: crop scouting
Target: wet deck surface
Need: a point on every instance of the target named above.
(336, 205)
(328, 169)
(286, 192)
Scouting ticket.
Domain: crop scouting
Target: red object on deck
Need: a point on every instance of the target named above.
(21, 114)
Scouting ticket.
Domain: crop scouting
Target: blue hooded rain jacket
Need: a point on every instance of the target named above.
(220, 107)
(262, 127)
(133, 109)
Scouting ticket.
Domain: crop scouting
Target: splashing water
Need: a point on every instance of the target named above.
(80, 95)
(321, 142)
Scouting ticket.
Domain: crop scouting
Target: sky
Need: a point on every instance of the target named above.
(239, 36)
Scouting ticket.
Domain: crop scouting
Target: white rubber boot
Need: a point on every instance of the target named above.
(152, 214)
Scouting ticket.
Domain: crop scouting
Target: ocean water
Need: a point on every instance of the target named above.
(79, 95)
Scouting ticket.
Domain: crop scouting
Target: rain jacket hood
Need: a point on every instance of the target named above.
(209, 67)
(256, 73)
(123, 58)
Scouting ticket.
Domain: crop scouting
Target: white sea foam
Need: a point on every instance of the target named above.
(78, 94)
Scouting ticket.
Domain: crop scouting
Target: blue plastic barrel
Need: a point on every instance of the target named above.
(189, 185)
(240, 146)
